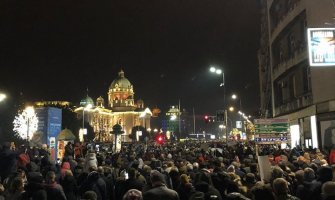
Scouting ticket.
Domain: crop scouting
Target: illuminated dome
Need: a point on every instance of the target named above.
(86, 101)
(120, 82)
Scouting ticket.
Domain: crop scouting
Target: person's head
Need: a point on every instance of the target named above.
(132, 173)
(280, 186)
(195, 165)
(325, 174)
(147, 168)
(231, 169)
(101, 170)
(262, 192)
(250, 178)
(184, 179)
(277, 172)
(50, 177)
(90, 195)
(133, 194)
(309, 174)
(68, 173)
(156, 177)
(328, 190)
(299, 175)
(92, 169)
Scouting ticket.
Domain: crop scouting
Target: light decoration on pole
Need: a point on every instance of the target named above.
(25, 123)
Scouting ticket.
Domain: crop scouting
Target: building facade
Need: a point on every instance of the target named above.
(290, 88)
(119, 109)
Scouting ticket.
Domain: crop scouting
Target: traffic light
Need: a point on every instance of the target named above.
(220, 115)
(206, 119)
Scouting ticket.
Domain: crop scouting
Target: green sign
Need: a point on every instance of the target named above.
(271, 126)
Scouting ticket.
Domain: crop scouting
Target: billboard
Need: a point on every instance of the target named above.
(49, 125)
(321, 46)
(271, 131)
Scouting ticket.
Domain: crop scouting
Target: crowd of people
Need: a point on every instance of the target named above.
(172, 171)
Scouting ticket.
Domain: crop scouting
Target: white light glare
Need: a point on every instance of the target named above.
(173, 117)
(218, 71)
(2, 97)
(25, 124)
(212, 69)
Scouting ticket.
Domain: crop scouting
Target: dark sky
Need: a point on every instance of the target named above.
(55, 49)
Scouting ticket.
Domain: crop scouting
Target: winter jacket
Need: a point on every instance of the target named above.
(55, 191)
(95, 183)
(70, 187)
(90, 161)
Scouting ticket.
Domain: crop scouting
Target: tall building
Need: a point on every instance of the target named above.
(121, 108)
(290, 88)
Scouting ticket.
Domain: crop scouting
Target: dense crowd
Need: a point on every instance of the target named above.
(186, 171)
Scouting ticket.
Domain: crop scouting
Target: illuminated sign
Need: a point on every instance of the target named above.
(321, 46)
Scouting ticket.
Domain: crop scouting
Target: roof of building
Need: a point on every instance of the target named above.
(121, 82)
(66, 134)
(87, 100)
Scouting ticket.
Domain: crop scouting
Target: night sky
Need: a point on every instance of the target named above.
(55, 49)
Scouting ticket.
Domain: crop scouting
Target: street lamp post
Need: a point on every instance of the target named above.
(88, 106)
(234, 96)
(219, 72)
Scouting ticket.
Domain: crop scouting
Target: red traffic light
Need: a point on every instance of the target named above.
(206, 118)
(160, 138)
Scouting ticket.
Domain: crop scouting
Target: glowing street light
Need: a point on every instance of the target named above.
(219, 72)
(231, 109)
(2, 97)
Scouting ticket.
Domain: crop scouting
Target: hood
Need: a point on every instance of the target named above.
(66, 165)
(93, 176)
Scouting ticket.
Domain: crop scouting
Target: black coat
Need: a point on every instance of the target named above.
(95, 183)
(160, 193)
(8, 160)
(132, 184)
(34, 191)
(69, 184)
(55, 192)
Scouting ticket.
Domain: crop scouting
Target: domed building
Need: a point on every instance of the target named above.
(86, 101)
(121, 110)
(121, 94)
